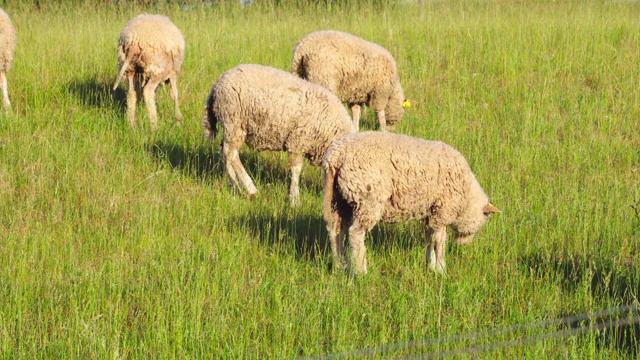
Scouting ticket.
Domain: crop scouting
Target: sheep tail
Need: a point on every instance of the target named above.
(123, 68)
(210, 120)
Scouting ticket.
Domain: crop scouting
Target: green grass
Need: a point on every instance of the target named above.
(120, 243)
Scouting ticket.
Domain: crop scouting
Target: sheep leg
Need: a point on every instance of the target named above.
(174, 95)
(149, 94)
(355, 114)
(436, 248)
(5, 92)
(336, 227)
(235, 170)
(382, 119)
(132, 101)
(295, 163)
(231, 174)
(357, 264)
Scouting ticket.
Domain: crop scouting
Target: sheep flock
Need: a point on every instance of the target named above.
(369, 177)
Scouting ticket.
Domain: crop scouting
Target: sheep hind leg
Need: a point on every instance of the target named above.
(357, 263)
(5, 92)
(132, 101)
(436, 248)
(173, 81)
(295, 163)
(236, 172)
(149, 94)
(337, 228)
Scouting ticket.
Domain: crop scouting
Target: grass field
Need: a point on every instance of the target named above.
(123, 243)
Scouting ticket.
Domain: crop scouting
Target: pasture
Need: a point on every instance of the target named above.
(123, 243)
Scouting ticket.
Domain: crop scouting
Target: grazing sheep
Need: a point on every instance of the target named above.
(377, 176)
(358, 71)
(150, 51)
(8, 41)
(270, 109)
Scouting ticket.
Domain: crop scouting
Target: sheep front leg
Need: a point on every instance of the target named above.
(5, 92)
(235, 170)
(382, 119)
(132, 101)
(149, 94)
(295, 163)
(356, 111)
(436, 248)
(174, 95)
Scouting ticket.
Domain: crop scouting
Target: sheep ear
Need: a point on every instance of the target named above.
(488, 209)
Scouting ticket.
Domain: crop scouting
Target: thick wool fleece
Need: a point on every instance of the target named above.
(161, 42)
(8, 41)
(359, 72)
(375, 176)
(270, 109)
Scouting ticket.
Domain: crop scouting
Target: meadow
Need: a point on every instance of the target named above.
(118, 242)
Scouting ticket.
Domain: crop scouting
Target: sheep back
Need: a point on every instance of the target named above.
(271, 109)
(160, 41)
(356, 70)
(8, 41)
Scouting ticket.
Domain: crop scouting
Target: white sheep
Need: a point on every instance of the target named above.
(377, 176)
(358, 71)
(8, 41)
(270, 109)
(150, 52)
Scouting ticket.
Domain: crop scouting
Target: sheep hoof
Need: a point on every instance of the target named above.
(437, 267)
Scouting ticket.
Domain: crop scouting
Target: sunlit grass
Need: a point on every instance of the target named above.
(117, 242)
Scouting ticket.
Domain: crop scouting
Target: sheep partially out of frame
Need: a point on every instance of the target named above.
(8, 41)
(359, 72)
(378, 176)
(270, 109)
(150, 52)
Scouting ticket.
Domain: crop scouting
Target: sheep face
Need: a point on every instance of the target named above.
(471, 221)
(394, 110)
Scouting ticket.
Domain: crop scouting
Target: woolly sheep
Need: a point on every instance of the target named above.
(150, 51)
(8, 41)
(377, 176)
(358, 71)
(270, 109)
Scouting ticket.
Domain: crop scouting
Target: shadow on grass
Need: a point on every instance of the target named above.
(604, 280)
(204, 161)
(98, 93)
(198, 162)
(309, 234)
(307, 231)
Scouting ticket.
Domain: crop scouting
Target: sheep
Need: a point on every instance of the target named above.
(8, 42)
(358, 71)
(271, 109)
(150, 51)
(377, 176)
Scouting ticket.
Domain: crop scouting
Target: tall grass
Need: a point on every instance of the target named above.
(122, 243)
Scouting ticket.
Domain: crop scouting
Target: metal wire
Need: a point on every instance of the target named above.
(574, 321)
